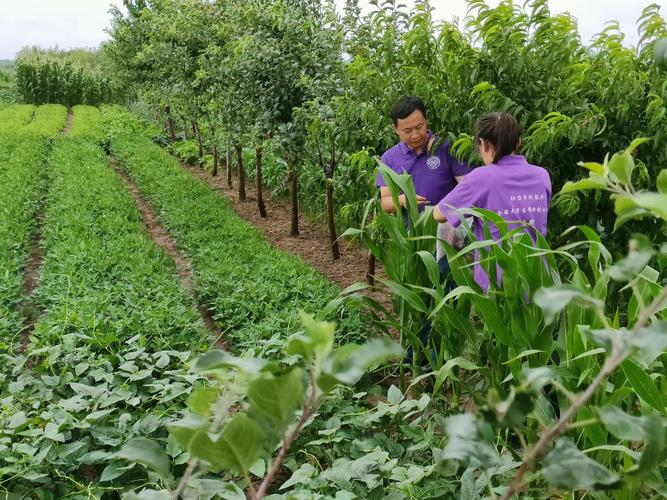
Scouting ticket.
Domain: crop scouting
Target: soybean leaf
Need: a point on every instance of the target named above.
(315, 342)
(149, 453)
(184, 430)
(661, 181)
(201, 400)
(216, 360)
(466, 443)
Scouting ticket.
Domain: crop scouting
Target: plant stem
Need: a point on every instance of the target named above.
(308, 411)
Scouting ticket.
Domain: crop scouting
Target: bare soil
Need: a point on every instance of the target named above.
(164, 240)
(68, 123)
(312, 244)
(28, 308)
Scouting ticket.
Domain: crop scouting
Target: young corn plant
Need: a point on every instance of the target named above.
(606, 386)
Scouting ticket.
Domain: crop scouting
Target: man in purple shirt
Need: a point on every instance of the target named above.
(508, 185)
(434, 176)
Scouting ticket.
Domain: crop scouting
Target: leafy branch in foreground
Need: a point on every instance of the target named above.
(250, 409)
(647, 334)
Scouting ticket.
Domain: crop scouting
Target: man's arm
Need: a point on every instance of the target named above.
(387, 201)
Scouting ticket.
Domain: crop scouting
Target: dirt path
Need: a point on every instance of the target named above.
(312, 244)
(164, 240)
(28, 308)
(68, 123)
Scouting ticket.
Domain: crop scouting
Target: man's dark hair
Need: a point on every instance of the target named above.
(405, 106)
(502, 130)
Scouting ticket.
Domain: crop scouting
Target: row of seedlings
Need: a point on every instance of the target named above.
(22, 181)
(49, 120)
(255, 292)
(87, 123)
(107, 361)
(15, 117)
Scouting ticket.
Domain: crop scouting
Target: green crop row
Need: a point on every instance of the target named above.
(49, 120)
(87, 123)
(15, 116)
(21, 169)
(107, 359)
(253, 290)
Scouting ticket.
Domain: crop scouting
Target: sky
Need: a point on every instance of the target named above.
(81, 23)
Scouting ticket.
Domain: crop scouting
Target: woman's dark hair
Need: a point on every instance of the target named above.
(500, 129)
(405, 106)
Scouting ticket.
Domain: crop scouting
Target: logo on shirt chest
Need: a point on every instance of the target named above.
(433, 162)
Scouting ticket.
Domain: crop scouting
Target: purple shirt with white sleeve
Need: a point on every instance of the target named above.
(517, 191)
(433, 176)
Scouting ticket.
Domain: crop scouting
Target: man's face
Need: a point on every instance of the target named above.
(413, 130)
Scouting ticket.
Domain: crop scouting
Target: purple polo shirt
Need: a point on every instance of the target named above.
(433, 176)
(514, 189)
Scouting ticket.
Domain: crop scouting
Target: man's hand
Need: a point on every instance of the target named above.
(420, 200)
(388, 201)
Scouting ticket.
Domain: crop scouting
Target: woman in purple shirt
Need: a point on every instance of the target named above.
(508, 185)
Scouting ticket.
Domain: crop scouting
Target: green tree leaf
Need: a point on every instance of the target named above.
(567, 467)
(277, 397)
(348, 363)
(237, 447)
(554, 299)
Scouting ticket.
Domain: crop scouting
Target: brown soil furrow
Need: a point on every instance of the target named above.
(163, 239)
(312, 244)
(68, 123)
(28, 308)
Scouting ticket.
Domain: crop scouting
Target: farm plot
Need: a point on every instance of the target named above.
(48, 120)
(21, 177)
(107, 359)
(253, 290)
(15, 116)
(87, 123)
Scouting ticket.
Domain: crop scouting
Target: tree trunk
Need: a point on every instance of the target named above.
(294, 186)
(186, 132)
(239, 158)
(171, 127)
(370, 271)
(198, 134)
(215, 157)
(335, 250)
(258, 181)
(228, 160)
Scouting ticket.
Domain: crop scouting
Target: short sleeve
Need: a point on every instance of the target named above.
(379, 181)
(457, 167)
(464, 195)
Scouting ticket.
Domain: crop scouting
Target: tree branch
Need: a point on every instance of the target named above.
(619, 354)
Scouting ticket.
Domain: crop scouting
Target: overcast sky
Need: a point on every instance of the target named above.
(81, 23)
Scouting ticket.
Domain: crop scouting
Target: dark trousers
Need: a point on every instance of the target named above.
(425, 331)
